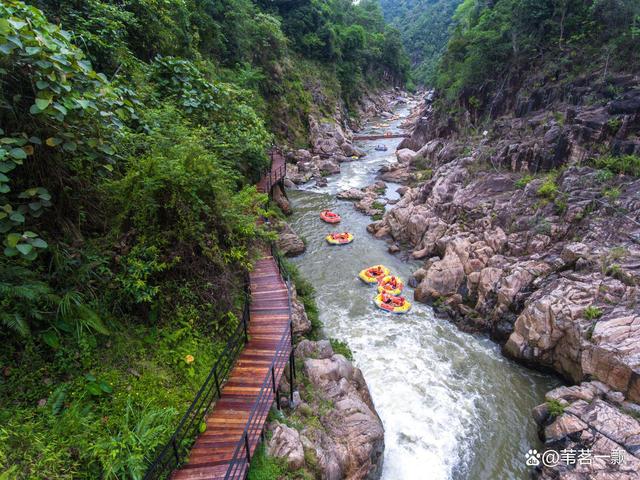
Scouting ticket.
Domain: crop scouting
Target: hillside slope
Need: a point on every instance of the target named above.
(424, 27)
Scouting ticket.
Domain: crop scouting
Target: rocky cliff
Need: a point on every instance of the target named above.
(529, 228)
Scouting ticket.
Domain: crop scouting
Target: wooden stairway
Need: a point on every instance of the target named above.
(244, 398)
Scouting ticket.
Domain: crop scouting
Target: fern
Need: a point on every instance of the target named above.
(23, 299)
(14, 321)
(57, 398)
(72, 309)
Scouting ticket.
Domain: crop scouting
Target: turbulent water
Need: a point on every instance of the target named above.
(451, 405)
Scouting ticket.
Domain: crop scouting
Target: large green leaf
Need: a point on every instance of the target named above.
(18, 153)
(43, 103)
(24, 248)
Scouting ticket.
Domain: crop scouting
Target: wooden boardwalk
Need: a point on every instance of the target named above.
(236, 421)
(276, 174)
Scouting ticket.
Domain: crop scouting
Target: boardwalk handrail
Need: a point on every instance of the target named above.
(241, 459)
(273, 174)
(174, 452)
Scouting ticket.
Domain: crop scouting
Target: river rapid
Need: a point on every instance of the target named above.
(452, 406)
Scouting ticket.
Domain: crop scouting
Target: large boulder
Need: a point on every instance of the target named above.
(352, 422)
(405, 155)
(288, 242)
(285, 443)
(299, 318)
(444, 277)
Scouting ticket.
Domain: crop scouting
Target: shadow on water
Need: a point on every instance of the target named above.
(452, 406)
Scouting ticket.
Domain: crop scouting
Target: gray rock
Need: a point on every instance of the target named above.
(285, 443)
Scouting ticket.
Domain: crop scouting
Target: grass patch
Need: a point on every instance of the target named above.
(341, 347)
(524, 181)
(549, 188)
(592, 313)
(264, 467)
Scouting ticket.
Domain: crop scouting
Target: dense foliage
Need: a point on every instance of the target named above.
(132, 133)
(424, 26)
(497, 43)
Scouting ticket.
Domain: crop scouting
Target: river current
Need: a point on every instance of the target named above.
(452, 406)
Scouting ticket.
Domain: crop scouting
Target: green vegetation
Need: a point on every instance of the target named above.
(612, 193)
(548, 189)
(496, 44)
(132, 134)
(555, 408)
(619, 165)
(524, 180)
(341, 347)
(424, 27)
(592, 313)
(264, 467)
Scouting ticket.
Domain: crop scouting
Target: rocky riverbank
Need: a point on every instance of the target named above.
(331, 139)
(331, 430)
(331, 144)
(529, 229)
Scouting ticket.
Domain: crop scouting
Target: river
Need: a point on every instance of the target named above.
(452, 406)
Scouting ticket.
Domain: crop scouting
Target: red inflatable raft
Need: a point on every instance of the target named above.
(330, 217)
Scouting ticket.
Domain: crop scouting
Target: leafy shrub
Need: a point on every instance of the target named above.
(69, 126)
(555, 408)
(549, 188)
(237, 134)
(604, 175)
(137, 269)
(612, 193)
(178, 196)
(524, 181)
(23, 298)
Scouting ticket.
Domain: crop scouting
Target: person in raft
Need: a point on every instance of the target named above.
(392, 284)
(375, 271)
(340, 236)
(391, 300)
(329, 214)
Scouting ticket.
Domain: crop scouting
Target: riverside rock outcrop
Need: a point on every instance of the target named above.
(529, 232)
(369, 200)
(336, 422)
(598, 425)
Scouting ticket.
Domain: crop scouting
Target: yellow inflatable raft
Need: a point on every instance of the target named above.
(373, 274)
(392, 304)
(339, 238)
(391, 285)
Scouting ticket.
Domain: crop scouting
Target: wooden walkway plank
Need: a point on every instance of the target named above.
(212, 452)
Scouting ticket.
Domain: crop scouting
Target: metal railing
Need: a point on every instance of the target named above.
(269, 391)
(274, 174)
(174, 453)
